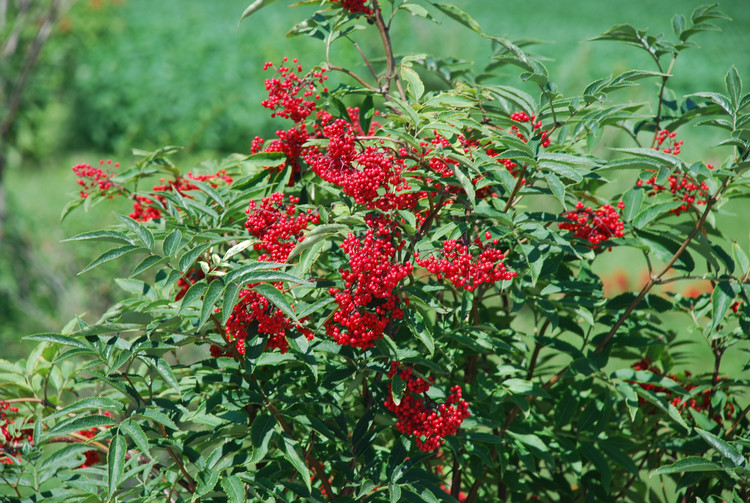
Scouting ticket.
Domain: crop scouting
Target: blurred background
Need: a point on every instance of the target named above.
(84, 80)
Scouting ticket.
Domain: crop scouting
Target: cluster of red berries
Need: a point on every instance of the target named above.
(285, 87)
(277, 225)
(372, 176)
(419, 416)
(10, 438)
(700, 402)
(150, 208)
(91, 179)
(594, 226)
(355, 6)
(523, 117)
(255, 314)
(683, 188)
(369, 301)
(468, 267)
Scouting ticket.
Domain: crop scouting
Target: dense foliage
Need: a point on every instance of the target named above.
(394, 298)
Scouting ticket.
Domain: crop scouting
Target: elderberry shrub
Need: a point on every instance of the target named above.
(396, 299)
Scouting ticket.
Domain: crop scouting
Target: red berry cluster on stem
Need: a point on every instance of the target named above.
(369, 300)
(278, 225)
(468, 267)
(429, 423)
(94, 179)
(595, 226)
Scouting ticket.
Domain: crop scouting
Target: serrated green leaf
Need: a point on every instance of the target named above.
(115, 236)
(214, 291)
(253, 7)
(188, 259)
(724, 448)
(650, 213)
(416, 323)
(721, 298)
(79, 423)
(136, 433)
(165, 371)
(65, 340)
(741, 258)
(556, 187)
(688, 464)
(397, 388)
(734, 86)
(144, 235)
(157, 416)
(91, 403)
(319, 233)
(273, 294)
(415, 85)
(261, 433)
(231, 298)
(115, 463)
(459, 15)
(632, 200)
(234, 489)
(147, 263)
(172, 243)
(195, 292)
(293, 454)
(110, 255)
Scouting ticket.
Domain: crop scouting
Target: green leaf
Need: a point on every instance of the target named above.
(189, 258)
(415, 87)
(231, 298)
(261, 433)
(238, 248)
(293, 454)
(234, 489)
(740, 258)
(590, 452)
(258, 4)
(273, 294)
(194, 292)
(650, 213)
(417, 325)
(64, 340)
(136, 433)
(215, 289)
(157, 416)
(116, 463)
(632, 199)
(556, 187)
(172, 242)
(688, 464)
(110, 255)
(319, 233)
(165, 371)
(91, 403)
(721, 298)
(115, 236)
(734, 86)
(459, 15)
(144, 235)
(147, 263)
(397, 388)
(79, 423)
(722, 447)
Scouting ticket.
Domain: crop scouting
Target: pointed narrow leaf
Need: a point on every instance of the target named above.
(189, 258)
(65, 340)
(293, 454)
(136, 433)
(193, 293)
(116, 463)
(172, 243)
(261, 433)
(215, 288)
(723, 447)
(277, 298)
(109, 256)
(459, 15)
(234, 489)
(415, 83)
(397, 388)
(231, 298)
(721, 299)
(688, 464)
(144, 235)
(258, 4)
(734, 86)
(147, 263)
(91, 403)
(165, 371)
